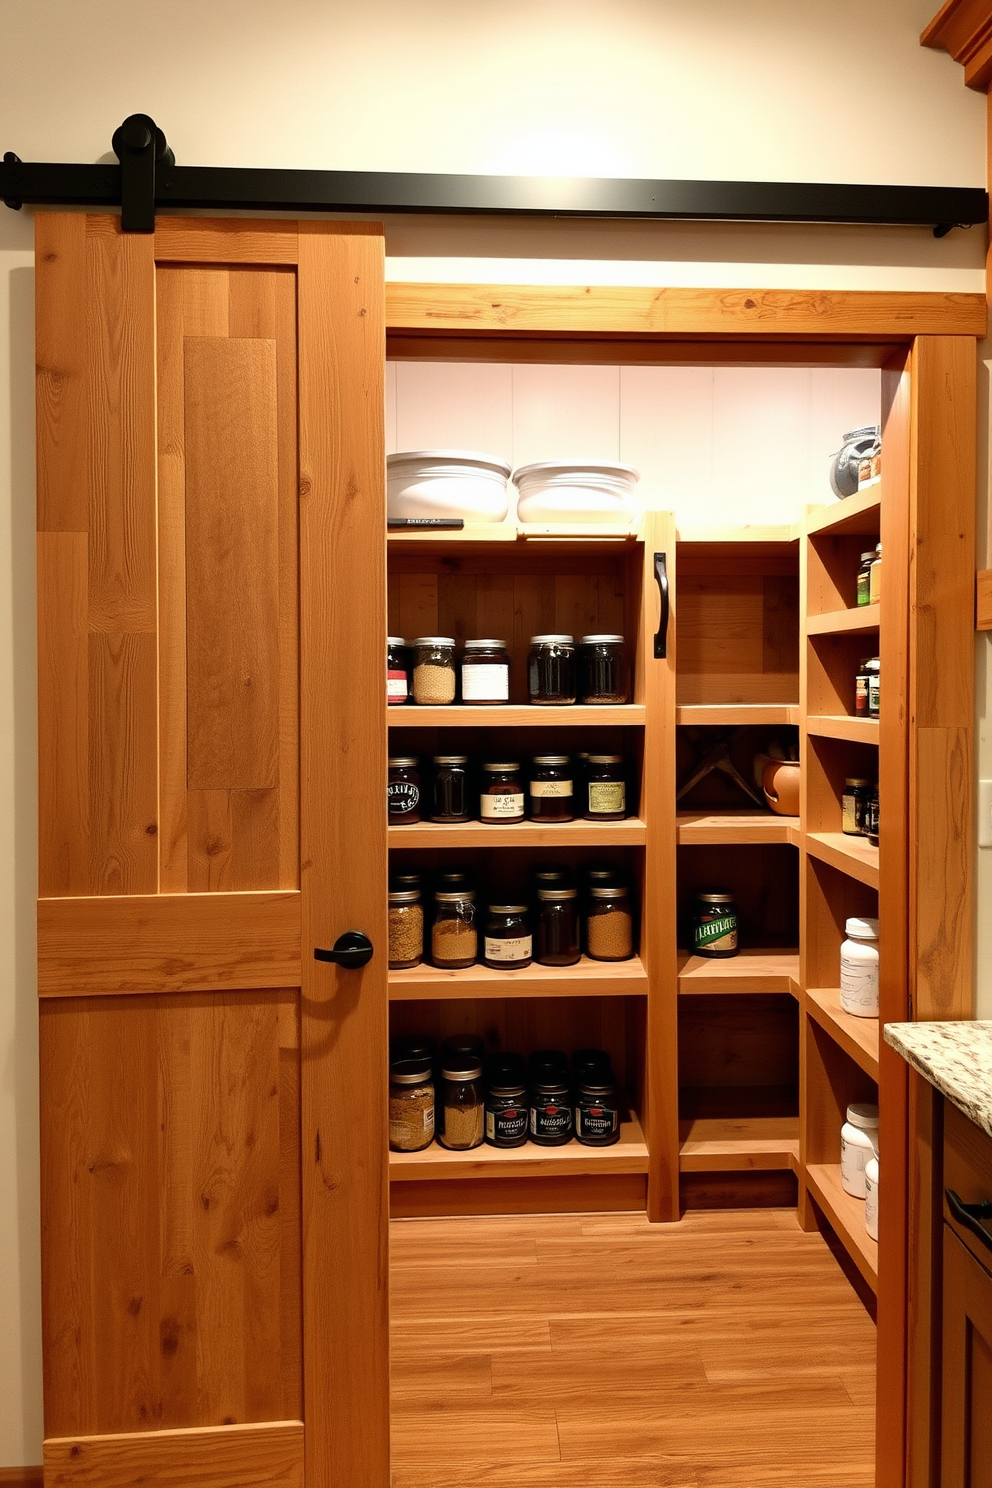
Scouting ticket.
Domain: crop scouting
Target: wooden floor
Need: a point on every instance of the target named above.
(600, 1351)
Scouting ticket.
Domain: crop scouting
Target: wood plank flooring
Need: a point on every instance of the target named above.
(598, 1351)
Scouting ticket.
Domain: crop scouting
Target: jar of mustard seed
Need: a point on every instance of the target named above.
(502, 795)
(454, 938)
(551, 670)
(434, 670)
(403, 791)
(463, 1100)
(411, 1105)
(603, 669)
(406, 929)
(485, 673)
(550, 788)
(610, 924)
(606, 788)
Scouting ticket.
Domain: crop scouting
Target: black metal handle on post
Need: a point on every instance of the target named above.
(352, 949)
(970, 1215)
(661, 577)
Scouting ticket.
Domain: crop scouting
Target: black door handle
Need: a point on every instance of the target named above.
(970, 1215)
(352, 949)
(661, 578)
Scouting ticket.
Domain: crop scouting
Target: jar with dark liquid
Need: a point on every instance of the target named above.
(450, 788)
(506, 1101)
(603, 669)
(558, 927)
(502, 796)
(606, 789)
(403, 791)
(550, 1104)
(550, 788)
(551, 670)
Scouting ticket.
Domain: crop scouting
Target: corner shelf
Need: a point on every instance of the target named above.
(704, 827)
(847, 1217)
(839, 726)
(587, 978)
(748, 971)
(858, 1037)
(629, 833)
(729, 715)
(629, 1155)
(862, 620)
(515, 715)
(738, 1144)
(860, 514)
(855, 856)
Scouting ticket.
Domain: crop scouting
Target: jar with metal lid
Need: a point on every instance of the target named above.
(485, 672)
(406, 929)
(463, 1043)
(603, 669)
(403, 790)
(412, 1046)
(551, 669)
(864, 578)
(462, 1099)
(450, 788)
(507, 943)
(715, 926)
(411, 1105)
(875, 578)
(558, 927)
(606, 788)
(610, 924)
(397, 673)
(454, 937)
(602, 876)
(434, 670)
(597, 1109)
(873, 668)
(854, 806)
(506, 1101)
(871, 820)
(550, 788)
(590, 1061)
(406, 878)
(450, 879)
(551, 1123)
(502, 796)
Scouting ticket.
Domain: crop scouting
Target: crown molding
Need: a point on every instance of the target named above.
(964, 28)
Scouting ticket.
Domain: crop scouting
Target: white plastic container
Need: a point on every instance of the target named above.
(858, 1145)
(859, 968)
(447, 483)
(575, 492)
(871, 1197)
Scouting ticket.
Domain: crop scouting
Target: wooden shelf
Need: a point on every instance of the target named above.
(748, 971)
(773, 534)
(486, 533)
(855, 856)
(702, 827)
(727, 715)
(735, 1145)
(858, 730)
(630, 833)
(629, 1155)
(847, 1216)
(514, 716)
(586, 979)
(861, 513)
(862, 620)
(858, 1037)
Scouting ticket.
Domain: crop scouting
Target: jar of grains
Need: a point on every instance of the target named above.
(403, 791)
(606, 789)
(550, 788)
(397, 676)
(434, 670)
(603, 669)
(485, 672)
(411, 1105)
(507, 944)
(715, 926)
(450, 788)
(551, 669)
(406, 929)
(610, 924)
(502, 795)
(454, 938)
(597, 1109)
(463, 1102)
(506, 1101)
(558, 927)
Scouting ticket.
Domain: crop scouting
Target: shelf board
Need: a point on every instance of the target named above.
(858, 1037)
(858, 730)
(855, 856)
(486, 533)
(629, 1155)
(738, 1144)
(514, 715)
(847, 1216)
(859, 621)
(586, 979)
(702, 827)
(629, 833)
(768, 534)
(748, 971)
(861, 513)
(730, 714)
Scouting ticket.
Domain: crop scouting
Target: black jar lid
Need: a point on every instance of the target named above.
(410, 1071)
(501, 765)
(546, 874)
(557, 891)
(455, 878)
(602, 640)
(464, 1043)
(597, 1082)
(603, 874)
(412, 1046)
(506, 1071)
(550, 759)
(406, 878)
(591, 1059)
(451, 759)
(544, 1060)
(606, 759)
(551, 1079)
(402, 761)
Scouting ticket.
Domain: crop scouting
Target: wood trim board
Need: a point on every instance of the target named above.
(263, 1456)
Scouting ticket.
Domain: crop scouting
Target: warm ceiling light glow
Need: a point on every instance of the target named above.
(558, 151)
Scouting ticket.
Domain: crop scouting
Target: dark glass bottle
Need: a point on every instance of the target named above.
(603, 669)
(597, 1110)
(403, 791)
(450, 788)
(551, 1122)
(506, 1101)
(558, 927)
(551, 670)
(507, 943)
(550, 788)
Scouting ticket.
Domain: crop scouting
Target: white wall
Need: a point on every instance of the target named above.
(829, 90)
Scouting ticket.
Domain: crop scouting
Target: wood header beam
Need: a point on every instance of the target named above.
(964, 29)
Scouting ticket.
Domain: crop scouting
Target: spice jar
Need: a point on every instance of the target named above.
(715, 926)
(434, 669)
(502, 795)
(403, 791)
(507, 944)
(871, 822)
(450, 788)
(609, 924)
(506, 1101)
(873, 667)
(485, 672)
(864, 578)
(550, 788)
(590, 1062)
(406, 929)
(397, 676)
(463, 1043)
(454, 938)
(597, 1109)
(606, 788)
(550, 1105)
(854, 806)
(551, 669)
(859, 967)
(875, 578)
(450, 879)
(463, 1102)
(412, 1046)
(411, 1105)
(406, 878)
(558, 927)
(603, 669)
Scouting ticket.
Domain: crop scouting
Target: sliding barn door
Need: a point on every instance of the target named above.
(211, 635)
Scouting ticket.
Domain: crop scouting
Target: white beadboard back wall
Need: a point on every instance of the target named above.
(719, 446)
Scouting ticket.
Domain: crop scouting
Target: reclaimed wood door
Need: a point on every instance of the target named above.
(211, 633)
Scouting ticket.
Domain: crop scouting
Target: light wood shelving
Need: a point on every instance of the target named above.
(729, 715)
(515, 716)
(749, 971)
(858, 514)
(859, 621)
(587, 978)
(743, 827)
(855, 730)
(858, 1037)
(425, 835)
(855, 856)
(739, 1144)
(846, 1216)
(629, 1155)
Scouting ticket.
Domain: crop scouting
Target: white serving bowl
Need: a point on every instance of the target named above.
(447, 483)
(575, 491)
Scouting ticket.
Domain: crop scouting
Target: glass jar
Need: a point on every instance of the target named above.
(597, 1110)
(854, 806)
(871, 821)
(586, 1062)
(551, 1123)
(454, 937)
(507, 944)
(607, 789)
(485, 672)
(403, 791)
(551, 669)
(411, 1105)
(463, 1103)
(406, 929)
(558, 927)
(603, 669)
(506, 1101)
(502, 795)
(610, 924)
(875, 578)
(864, 578)
(450, 788)
(412, 1046)
(873, 667)
(434, 670)
(397, 675)
(550, 788)
(715, 926)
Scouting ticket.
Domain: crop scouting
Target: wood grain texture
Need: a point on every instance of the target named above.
(456, 346)
(966, 1366)
(592, 1193)
(964, 28)
(587, 978)
(269, 1456)
(22, 1477)
(63, 694)
(102, 946)
(983, 599)
(62, 386)
(923, 1322)
(858, 1037)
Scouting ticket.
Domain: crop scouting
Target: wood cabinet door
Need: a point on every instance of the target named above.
(211, 563)
(966, 1370)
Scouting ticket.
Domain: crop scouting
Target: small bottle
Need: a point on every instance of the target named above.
(461, 1095)
(550, 788)
(502, 796)
(873, 668)
(715, 926)
(858, 1143)
(558, 927)
(864, 578)
(403, 791)
(606, 789)
(485, 673)
(450, 788)
(871, 1197)
(551, 1120)
(854, 806)
(397, 672)
(875, 579)
(859, 968)
(507, 943)
(871, 820)
(506, 1101)
(597, 1110)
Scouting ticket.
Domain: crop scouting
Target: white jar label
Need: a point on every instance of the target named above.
(607, 797)
(507, 806)
(853, 1159)
(871, 1208)
(859, 984)
(550, 788)
(518, 948)
(485, 682)
(396, 686)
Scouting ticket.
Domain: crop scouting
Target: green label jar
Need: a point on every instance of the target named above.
(715, 925)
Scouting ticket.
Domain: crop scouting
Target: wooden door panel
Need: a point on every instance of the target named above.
(268, 1456)
(966, 1369)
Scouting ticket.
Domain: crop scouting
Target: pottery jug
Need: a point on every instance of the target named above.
(780, 783)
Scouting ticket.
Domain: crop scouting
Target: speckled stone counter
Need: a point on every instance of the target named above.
(956, 1058)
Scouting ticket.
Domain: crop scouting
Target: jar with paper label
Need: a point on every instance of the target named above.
(403, 791)
(506, 1101)
(858, 1144)
(606, 788)
(864, 578)
(854, 806)
(715, 925)
(397, 672)
(502, 795)
(550, 788)
(411, 1105)
(871, 1197)
(507, 942)
(551, 1121)
(859, 968)
(597, 1110)
(485, 673)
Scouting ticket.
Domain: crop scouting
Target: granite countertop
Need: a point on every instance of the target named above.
(954, 1057)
